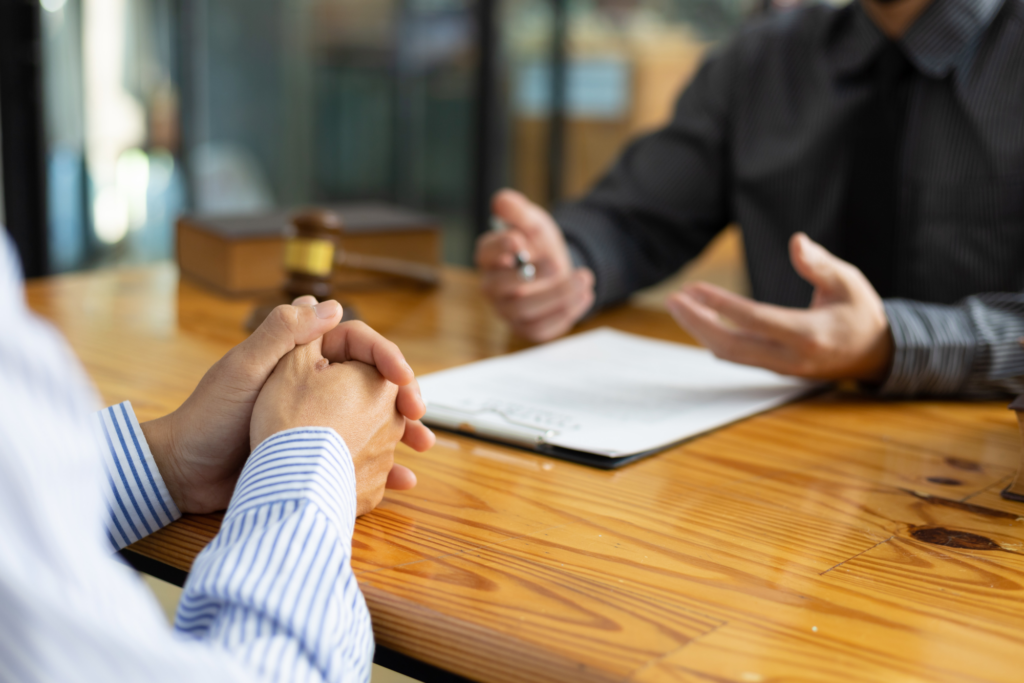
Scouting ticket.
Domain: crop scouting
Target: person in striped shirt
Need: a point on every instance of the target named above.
(873, 155)
(293, 431)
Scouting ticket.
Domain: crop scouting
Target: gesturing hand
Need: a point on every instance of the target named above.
(201, 447)
(558, 296)
(354, 399)
(843, 335)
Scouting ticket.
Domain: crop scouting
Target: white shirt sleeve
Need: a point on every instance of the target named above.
(272, 598)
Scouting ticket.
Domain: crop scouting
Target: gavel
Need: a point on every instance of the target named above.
(309, 253)
(314, 248)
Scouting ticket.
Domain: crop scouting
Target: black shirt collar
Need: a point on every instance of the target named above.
(945, 32)
(935, 43)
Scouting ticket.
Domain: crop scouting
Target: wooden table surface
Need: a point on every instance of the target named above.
(836, 539)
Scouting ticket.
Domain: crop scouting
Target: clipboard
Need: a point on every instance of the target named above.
(457, 425)
(602, 398)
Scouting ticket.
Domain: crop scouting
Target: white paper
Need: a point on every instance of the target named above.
(605, 392)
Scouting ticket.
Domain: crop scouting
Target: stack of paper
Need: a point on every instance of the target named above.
(605, 393)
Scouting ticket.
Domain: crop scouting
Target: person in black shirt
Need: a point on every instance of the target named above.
(873, 156)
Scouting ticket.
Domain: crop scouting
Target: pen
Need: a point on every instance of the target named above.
(527, 271)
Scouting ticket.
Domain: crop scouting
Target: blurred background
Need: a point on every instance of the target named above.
(119, 115)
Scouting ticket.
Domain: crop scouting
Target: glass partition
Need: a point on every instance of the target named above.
(624, 63)
(156, 107)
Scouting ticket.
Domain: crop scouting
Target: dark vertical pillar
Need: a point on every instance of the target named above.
(192, 36)
(187, 56)
(485, 138)
(559, 82)
(403, 144)
(22, 128)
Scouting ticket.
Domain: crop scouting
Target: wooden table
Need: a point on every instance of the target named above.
(837, 539)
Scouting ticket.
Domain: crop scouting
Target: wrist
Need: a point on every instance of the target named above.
(160, 434)
(878, 360)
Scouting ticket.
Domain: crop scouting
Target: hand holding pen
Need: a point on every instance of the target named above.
(526, 270)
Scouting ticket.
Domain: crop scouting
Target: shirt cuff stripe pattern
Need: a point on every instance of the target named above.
(301, 464)
(276, 585)
(999, 323)
(138, 500)
(934, 348)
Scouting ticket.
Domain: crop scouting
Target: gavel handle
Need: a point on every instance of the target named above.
(411, 270)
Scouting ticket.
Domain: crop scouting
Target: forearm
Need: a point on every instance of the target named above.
(622, 257)
(275, 587)
(596, 241)
(970, 349)
(665, 198)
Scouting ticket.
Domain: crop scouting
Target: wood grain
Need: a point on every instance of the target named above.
(837, 539)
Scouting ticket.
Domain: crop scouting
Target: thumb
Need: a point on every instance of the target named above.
(817, 265)
(544, 237)
(285, 328)
(516, 210)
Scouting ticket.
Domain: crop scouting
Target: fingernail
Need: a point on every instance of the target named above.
(327, 309)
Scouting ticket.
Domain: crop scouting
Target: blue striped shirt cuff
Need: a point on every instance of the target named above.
(934, 349)
(137, 498)
(301, 464)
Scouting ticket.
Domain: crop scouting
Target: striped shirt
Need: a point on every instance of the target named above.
(761, 137)
(272, 598)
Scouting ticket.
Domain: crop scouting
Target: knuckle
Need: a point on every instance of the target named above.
(284, 316)
(587, 298)
(815, 343)
(360, 327)
(587, 278)
(508, 310)
(525, 316)
(519, 291)
(721, 353)
(805, 367)
(727, 349)
(480, 253)
(849, 271)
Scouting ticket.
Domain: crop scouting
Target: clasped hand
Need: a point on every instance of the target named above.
(300, 368)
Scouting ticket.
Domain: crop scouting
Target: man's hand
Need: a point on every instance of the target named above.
(201, 447)
(843, 335)
(354, 399)
(548, 305)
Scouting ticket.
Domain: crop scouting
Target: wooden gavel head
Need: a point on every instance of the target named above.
(309, 253)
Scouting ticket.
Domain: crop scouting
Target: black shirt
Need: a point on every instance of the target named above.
(761, 138)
